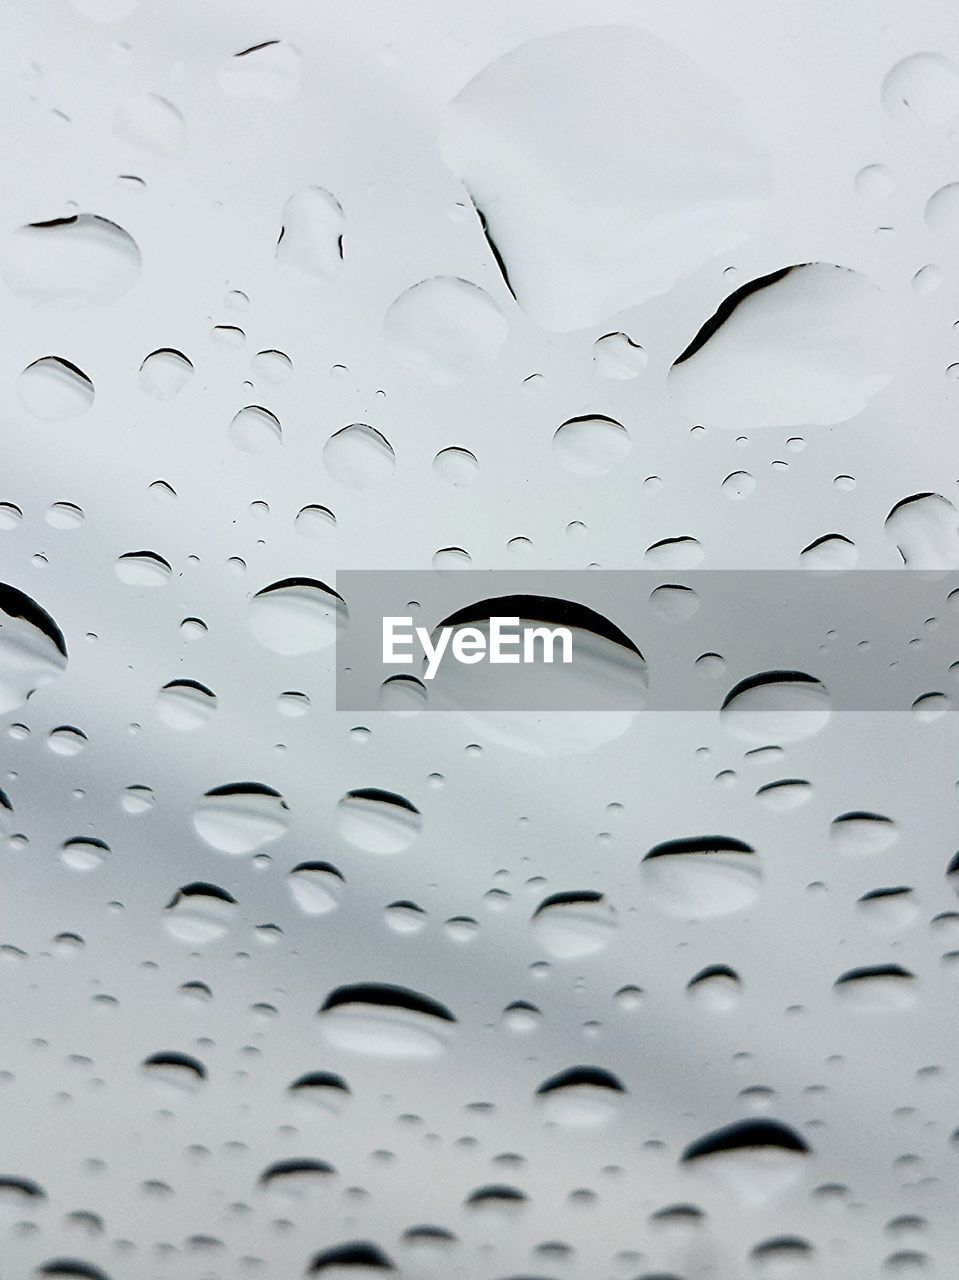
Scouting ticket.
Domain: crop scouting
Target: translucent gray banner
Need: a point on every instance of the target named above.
(751, 642)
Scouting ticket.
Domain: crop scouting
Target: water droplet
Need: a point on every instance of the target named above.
(925, 529)
(53, 389)
(580, 226)
(256, 430)
(32, 648)
(581, 1098)
(832, 551)
(240, 817)
(315, 522)
(77, 260)
(199, 914)
(757, 1159)
(164, 373)
(445, 329)
(571, 925)
(359, 1260)
(153, 124)
(311, 238)
(378, 821)
(591, 445)
(616, 355)
(860, 834)
(674, 603)
(143, 569)
(385, 1021)
(298, 615)
(64, 515)
(717, 989)
(877, 988)
(776, 706)
(316, 887)
(457, 467)
(269, 71)
(922, 89)
(808, 344)
(359, 457)
(185, 704)
(701, 876)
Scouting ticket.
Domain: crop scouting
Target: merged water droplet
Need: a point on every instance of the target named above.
(311, 237)
(567, 146)
(616, 355)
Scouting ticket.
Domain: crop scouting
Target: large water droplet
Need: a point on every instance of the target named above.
(199, 914)
(311, 238)
(54, 389)
(316, 887)
(445, 329)
(809, 344)
(570, 925)
(153, 124)
(568, 147)
(359, 457)
(776, 706)
(757, 1159)
(77, 260)
(592, 445)
(922, 89)
(925, 529)
(581, 1098)
(701, 876)
(32, 648)
(164, 373)
(378, 821)
(877, 988)
(256, 430)
(269, 71)
(240, 817)
(385, 1021)
(298, 615)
